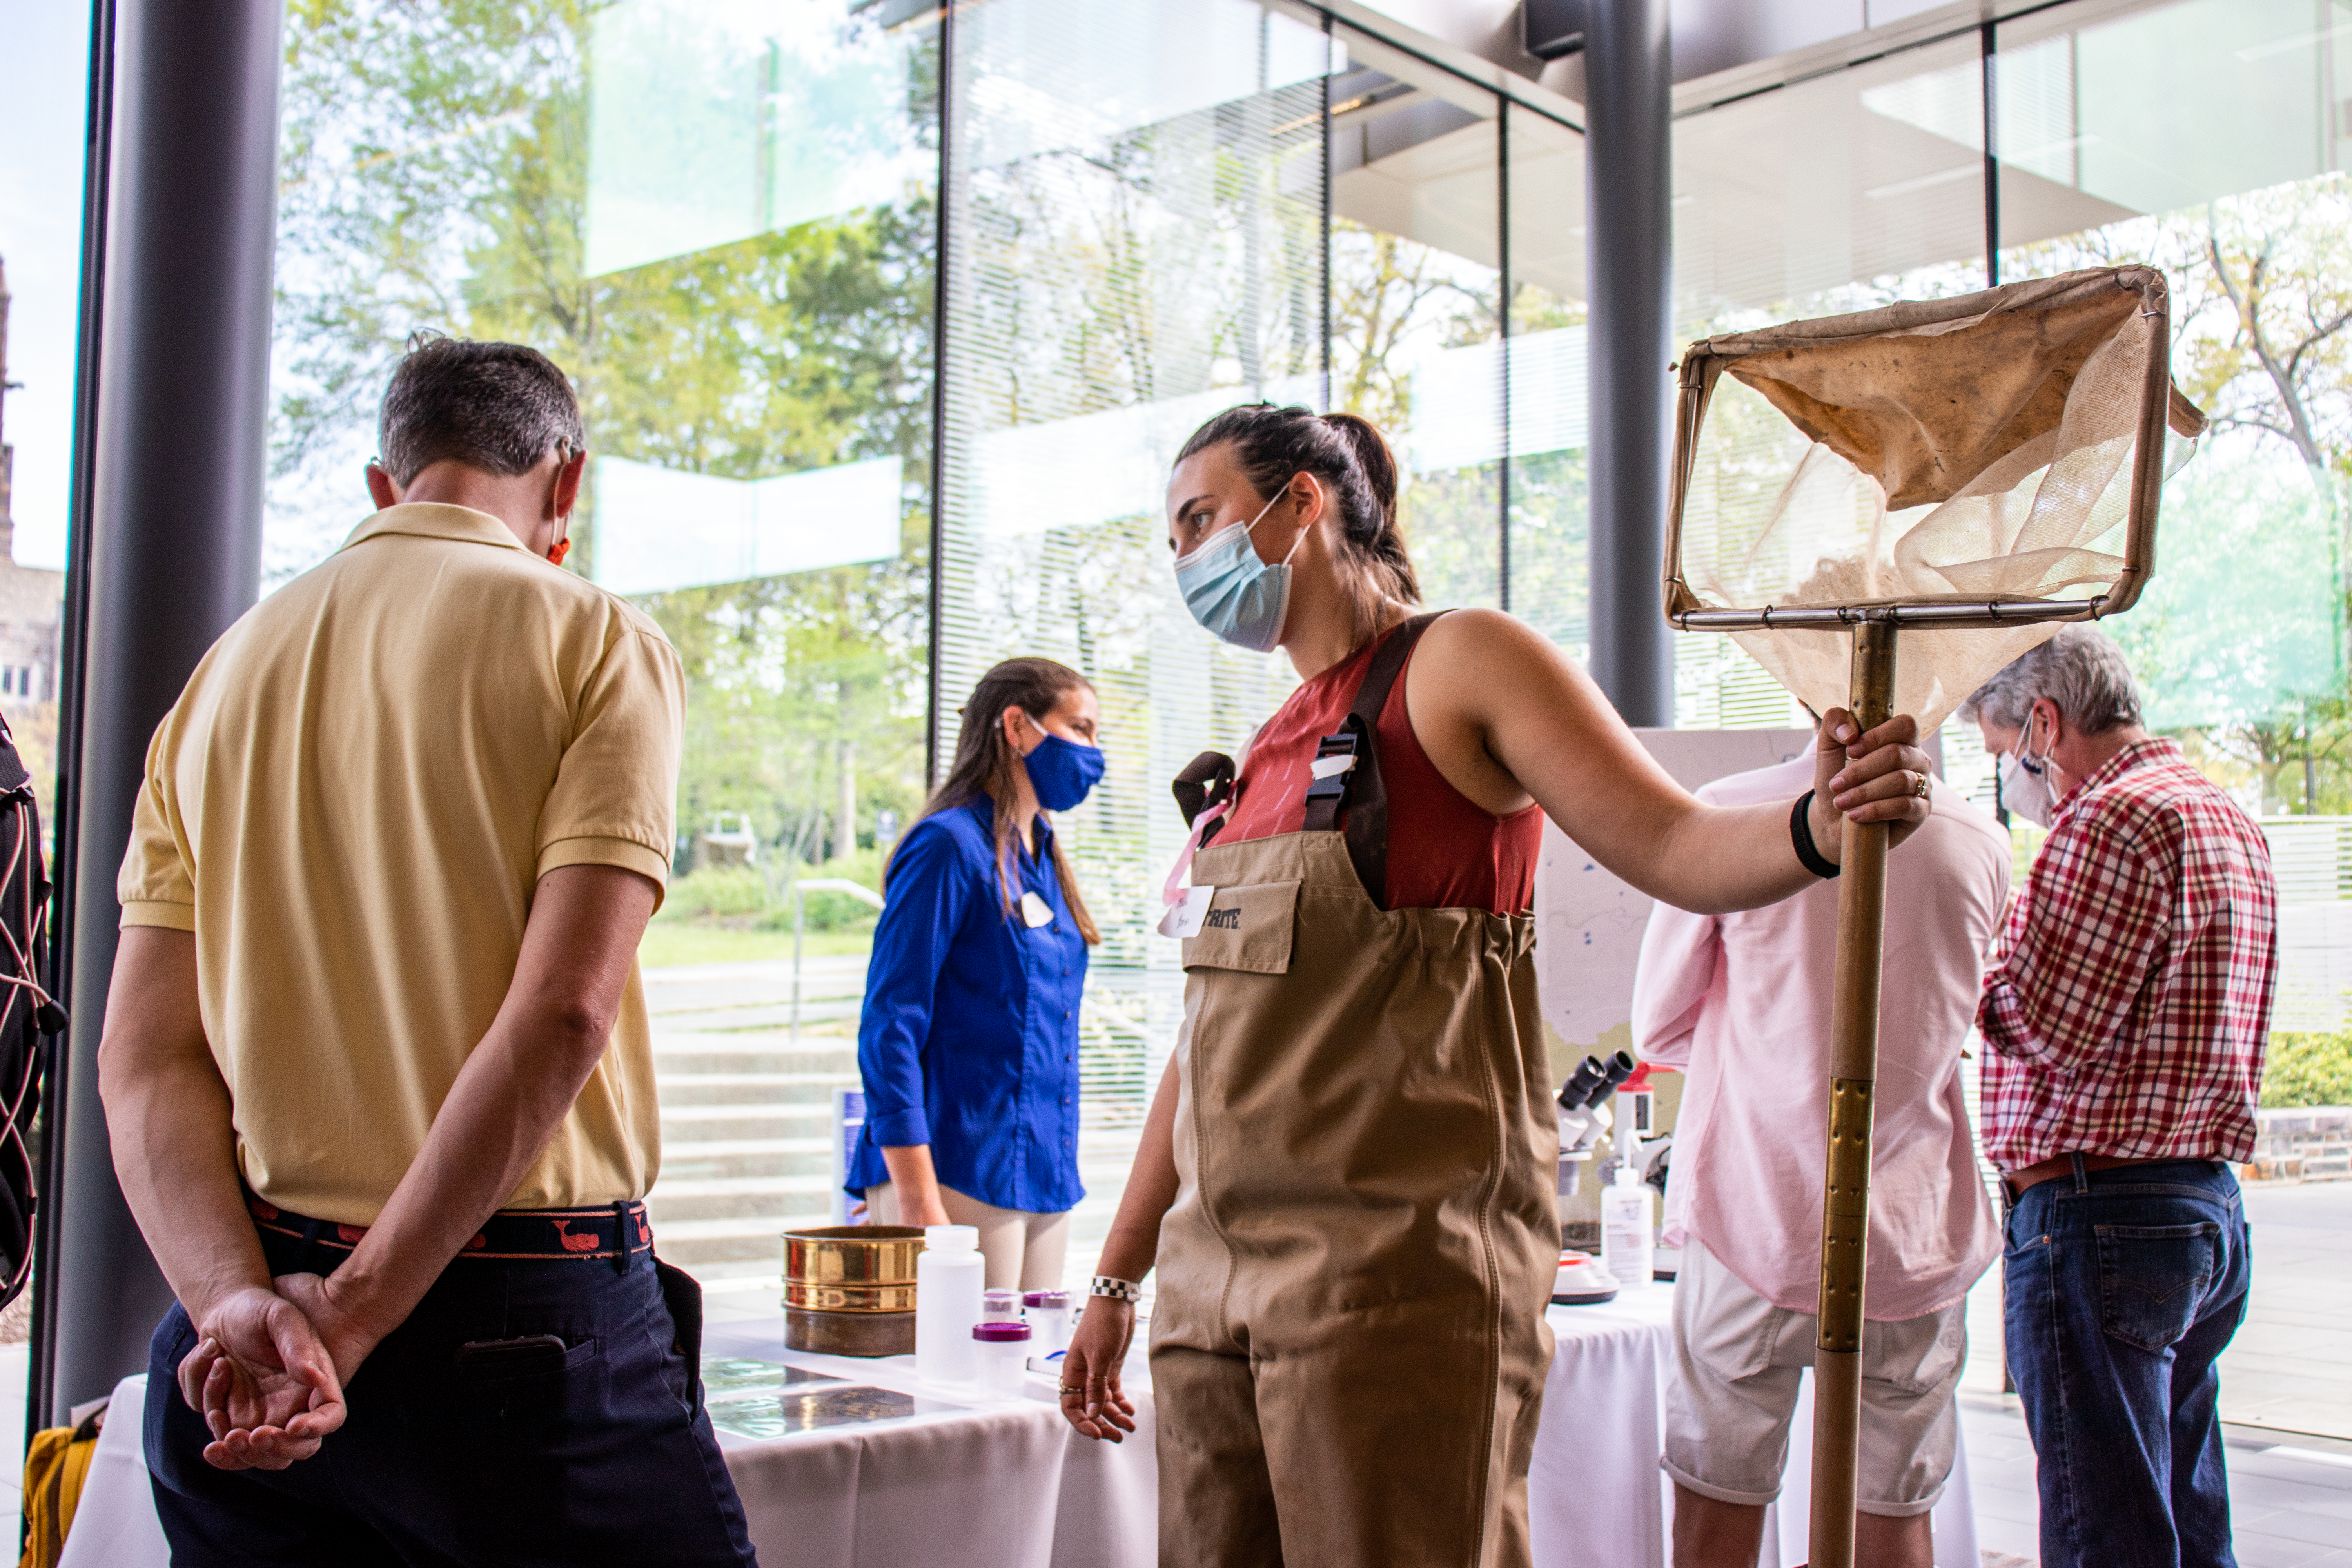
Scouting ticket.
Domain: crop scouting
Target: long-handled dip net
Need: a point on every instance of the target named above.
(1969, 472)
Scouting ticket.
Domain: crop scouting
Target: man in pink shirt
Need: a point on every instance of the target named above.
(1742, 1004)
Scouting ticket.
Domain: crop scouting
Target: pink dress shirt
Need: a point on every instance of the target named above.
(1742, 1004)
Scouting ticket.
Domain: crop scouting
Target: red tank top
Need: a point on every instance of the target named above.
(1444, 851)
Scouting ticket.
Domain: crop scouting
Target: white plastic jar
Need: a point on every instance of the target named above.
(949, 1273)
(1048, 1312)
(1001, 1348)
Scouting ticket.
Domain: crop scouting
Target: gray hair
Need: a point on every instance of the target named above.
(500, 407)
(2081, 671)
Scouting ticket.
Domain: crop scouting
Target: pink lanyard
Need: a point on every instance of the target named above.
(1179, 874)
(1171, 892)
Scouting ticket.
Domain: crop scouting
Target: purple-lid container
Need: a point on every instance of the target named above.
(1048, 1299)
(1000, 1331)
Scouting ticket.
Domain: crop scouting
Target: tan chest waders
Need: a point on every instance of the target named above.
(1349, 1350)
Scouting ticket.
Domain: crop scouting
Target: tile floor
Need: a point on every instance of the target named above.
(2290, 1502)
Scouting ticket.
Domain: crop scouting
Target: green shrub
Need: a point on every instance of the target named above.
(833, 912)
(2307, 1069)
(828, 912)
(717, 892)
(759, 898)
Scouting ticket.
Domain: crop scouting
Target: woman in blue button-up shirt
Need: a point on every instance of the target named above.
(969, 1043)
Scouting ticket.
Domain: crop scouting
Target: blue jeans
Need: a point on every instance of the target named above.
(596, 1452)
(2120, 1289)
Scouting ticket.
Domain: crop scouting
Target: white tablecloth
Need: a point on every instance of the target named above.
(1007, 1485)
(1594, 1493)
(1004, 1483)
(1596, 1497)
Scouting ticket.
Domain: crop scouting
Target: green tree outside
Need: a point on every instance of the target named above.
(435, 176)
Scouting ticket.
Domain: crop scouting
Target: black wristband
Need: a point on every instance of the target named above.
(1801, 834)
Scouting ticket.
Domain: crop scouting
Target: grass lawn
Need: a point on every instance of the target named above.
(673, 943)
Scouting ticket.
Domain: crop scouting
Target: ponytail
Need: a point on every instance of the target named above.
(1379, 549)
(1353, 461)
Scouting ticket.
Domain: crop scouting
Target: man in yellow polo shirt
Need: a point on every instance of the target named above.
(376, 1063)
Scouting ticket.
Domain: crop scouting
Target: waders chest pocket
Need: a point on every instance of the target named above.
(1246, 928)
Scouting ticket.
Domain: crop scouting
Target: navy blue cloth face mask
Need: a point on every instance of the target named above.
(1063, 772)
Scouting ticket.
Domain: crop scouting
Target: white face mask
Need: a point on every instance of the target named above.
(2025, 787)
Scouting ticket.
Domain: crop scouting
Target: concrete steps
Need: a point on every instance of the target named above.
(746, 1109)
(690, 1125)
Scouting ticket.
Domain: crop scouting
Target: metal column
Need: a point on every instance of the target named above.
(1629, 287)
(174, 531)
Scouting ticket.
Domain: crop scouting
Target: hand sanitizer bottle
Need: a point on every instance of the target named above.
(949, 1273)
(1626, 1239)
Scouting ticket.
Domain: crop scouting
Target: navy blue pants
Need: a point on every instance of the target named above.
(2120, 1289)
(597, 1453)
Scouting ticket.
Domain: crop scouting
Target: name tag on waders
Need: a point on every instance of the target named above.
(1184, 918)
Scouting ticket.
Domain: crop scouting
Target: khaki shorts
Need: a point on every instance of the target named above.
(1738, 1357)
(1022, 1251)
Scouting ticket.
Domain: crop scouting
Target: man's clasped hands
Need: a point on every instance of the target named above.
(268, 1369)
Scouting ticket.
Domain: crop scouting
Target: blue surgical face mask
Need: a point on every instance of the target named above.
(1233, 593)
(1063, 772)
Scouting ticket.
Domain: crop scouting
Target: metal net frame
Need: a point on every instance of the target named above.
(1988, 463)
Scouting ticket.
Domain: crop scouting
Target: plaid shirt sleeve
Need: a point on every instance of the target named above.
(2127, 1009)
(2079, 947)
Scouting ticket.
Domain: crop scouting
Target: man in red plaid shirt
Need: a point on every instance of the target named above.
(2127, 1012)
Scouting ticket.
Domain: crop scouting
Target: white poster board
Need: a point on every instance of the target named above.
(1589, 925)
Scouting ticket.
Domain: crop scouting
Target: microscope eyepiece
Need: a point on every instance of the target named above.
(1578, 1089)
(1619, 1068)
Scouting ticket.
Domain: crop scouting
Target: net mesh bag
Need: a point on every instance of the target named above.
(1980, 453)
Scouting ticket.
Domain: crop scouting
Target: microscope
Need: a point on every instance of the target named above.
(1584, 1112)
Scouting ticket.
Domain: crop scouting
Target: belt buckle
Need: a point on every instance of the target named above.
(1332, 785)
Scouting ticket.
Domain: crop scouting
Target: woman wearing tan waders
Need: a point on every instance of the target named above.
(1345, 1180)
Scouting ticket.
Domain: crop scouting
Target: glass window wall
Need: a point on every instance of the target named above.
(1416, 303)
(2244, 205)
(1840, 193)
(1262, 206)
(2204, 137)
(44, 108)
(732, 221)
(721, 219)
(2209, 138)
(735, 223)
(1543, 547)
(1135, 241)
